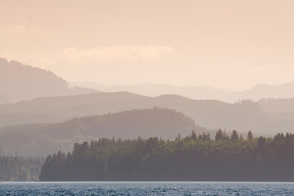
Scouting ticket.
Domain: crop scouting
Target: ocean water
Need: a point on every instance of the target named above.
(146, 188)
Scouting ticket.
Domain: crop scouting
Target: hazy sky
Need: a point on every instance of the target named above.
(219, 43)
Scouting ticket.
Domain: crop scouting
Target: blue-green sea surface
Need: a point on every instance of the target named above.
(146, 188)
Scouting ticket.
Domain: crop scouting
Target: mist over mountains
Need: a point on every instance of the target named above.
(42, 97)
(264, 116)
(255, 93)
(23, 82)
(20, 82)
(44, 139)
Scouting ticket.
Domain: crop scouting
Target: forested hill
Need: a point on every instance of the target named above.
(223, 158)
(277, 105)
(22, 82)
(158, 122)
(243, 116)
(43, 139)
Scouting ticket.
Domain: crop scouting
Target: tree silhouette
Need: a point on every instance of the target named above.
(250, 135)
(234, 136)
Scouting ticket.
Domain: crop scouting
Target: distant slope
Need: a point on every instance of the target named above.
(3, 99)
(212, 114)
(153, 90)
(23, 82)
(43, 139)
(198, 92)
(261, 91)
(277, 105)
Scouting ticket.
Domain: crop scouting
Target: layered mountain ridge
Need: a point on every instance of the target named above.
(243, 116)
(43, 139)
(23, 82)
(260, 91)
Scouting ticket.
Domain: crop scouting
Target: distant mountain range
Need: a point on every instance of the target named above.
(31, 99)
(266, 116)
(44, 139)
(259, 91)
(22, 82)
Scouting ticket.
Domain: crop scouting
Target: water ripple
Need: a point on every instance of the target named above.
(145, 188)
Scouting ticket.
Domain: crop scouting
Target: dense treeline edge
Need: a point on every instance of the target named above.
(17, 168)
(195, 158)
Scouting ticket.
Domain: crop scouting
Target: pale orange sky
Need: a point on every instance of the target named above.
(219, 43)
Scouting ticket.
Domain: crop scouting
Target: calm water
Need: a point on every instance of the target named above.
(146, 188)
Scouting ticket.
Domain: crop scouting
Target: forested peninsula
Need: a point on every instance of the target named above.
(193, 158)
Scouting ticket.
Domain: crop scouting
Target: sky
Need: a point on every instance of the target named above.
(219, 43)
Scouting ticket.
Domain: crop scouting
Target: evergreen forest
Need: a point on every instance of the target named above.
(192, 158)
(16, 168)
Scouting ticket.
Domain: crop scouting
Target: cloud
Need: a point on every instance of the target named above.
(73, 57)
(258, 68)
(18, 29)
(274, 67)
(192, 32)
(116, 54)
(26, 58)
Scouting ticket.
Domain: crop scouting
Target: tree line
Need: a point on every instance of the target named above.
(16, 168)
(194, 157)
